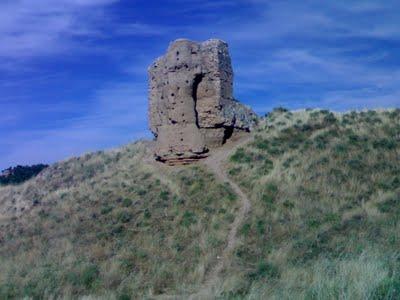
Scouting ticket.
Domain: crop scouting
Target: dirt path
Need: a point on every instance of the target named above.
(215, 162)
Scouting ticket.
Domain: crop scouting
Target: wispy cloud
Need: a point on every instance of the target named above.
(140, 29)
(115, 115)
(40, 27)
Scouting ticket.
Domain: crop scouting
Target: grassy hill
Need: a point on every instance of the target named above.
(323, 224)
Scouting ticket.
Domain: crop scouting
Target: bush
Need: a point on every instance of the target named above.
(390, 205)
(269, 193)
(240, 156)
(265, 168)
(86, 277)
(188, 218)
(356, 165)
(245, 230)
(280, 109)
(384, 143)
(127, 202)
(20, 174)
(388, 289)
(329, 119)
(261, 144)
(164, 195)
(265, 270)
(89, 276)
(124, 216)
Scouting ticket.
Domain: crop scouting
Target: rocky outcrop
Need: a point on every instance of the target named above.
(191, 104)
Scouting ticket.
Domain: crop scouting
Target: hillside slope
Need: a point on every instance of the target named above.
(323, 222)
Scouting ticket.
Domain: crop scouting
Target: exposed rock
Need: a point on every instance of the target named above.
(191, 104)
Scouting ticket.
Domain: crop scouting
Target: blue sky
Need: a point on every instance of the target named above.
(73, 72)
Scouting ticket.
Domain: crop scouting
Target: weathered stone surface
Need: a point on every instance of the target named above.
(191, 104)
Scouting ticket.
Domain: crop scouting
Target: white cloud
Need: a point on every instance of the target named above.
(38, 27)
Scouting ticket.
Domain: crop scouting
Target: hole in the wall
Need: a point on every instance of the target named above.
(197, 79)
(227, 134)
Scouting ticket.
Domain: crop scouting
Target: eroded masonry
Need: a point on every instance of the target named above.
(191, 104)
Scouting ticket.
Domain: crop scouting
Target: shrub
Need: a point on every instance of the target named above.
(89, 276)
(269, 193)
(261, 144)
(329, 119)
(241, 156)
(164, 195)
(388, 289)
(266, 167)
(340, 149)
(127, 202)
(86, 277)
(106, 209)
(280, 109)
(124, 296)
(20, 174)
(390, 205)
(313, 222)
(235, 171)
(265, 270)
(321, 141)
(384, 143)
(245, 230)
(356, 165)
(8, 291)
(260, 226)
(188, 218)
(124, 216)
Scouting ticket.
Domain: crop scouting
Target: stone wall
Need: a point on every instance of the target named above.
(191, 104)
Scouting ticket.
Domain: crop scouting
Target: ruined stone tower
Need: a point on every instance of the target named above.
(191, 104)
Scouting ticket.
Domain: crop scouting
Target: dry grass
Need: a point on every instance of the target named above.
(110, 224)
(324, 224)
(325, 188)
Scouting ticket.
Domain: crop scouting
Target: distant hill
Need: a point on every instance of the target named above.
(19, 174)
(323, 220)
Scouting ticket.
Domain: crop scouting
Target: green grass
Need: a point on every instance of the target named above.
(327, 203)
(324, 221)
(109, 223)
